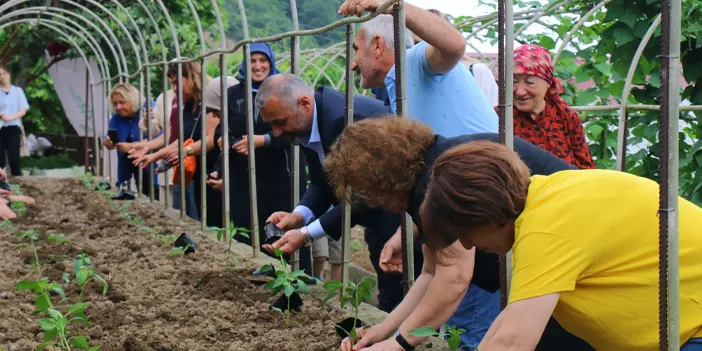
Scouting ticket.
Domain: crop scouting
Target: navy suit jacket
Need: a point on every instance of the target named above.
(331, 121)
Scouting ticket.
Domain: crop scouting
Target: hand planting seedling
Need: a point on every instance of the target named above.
(55, 238)
(450, 334)
(228, 234)
(288, 282)
(355, 294)
(55, 323)
(85, 272)
(31, 235)
(163, 239)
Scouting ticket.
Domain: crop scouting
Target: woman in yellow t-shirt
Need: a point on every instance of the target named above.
(584, 247)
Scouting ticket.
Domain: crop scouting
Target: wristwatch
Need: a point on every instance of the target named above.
(306, 237)
(403, 343)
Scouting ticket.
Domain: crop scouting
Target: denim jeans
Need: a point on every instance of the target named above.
(475, 314)
(692, 345)
(190, 205)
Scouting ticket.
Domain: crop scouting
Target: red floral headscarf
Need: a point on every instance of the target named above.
(534, 60)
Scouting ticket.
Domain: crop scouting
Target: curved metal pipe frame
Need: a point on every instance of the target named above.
(248, 97)
(166, 120)
(294, 148)
(346, 206)
(203, 121)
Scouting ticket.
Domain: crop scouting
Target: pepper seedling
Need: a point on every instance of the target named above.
(452, 335)
(7, 224)
(85, 272)
(56, 238)
(228, 234)
(163, 239)
(287, 281)
(178, 251)
(18, 207)
(55, 324)
(31, 235)
(354, 293)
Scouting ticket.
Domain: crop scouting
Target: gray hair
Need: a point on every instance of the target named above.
(382, 26)
(289, 88)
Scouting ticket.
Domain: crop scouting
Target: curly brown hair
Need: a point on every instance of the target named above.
(472, 185)
(380, 159)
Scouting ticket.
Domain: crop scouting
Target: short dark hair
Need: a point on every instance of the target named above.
(472, 185)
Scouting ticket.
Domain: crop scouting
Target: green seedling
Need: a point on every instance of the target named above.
(163, 239)
(85, 272)
(55, 323)
(31, 235)
(228, 234)
(287, 281)
(178, 251)
(7, 224)
(56, 238)
(18, 207)
(87, 180)
(16, 189)
(452, 335)
(355, 294)
(145, 229)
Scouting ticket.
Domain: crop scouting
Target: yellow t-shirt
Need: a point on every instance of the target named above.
(592, 236)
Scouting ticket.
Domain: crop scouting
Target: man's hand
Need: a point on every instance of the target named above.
(242, 146)
(4, 193)
(286, 220)
(5, 117)
(391, 256)
(387, 345)
(368, 336)
(125, 147)
(108, 143)
(215, 183)
(19, 198)
(357, 7)
(290, 242)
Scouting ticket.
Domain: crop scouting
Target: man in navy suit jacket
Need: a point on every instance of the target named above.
(315, 119)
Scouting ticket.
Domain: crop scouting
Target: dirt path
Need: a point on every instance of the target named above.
(154, 302)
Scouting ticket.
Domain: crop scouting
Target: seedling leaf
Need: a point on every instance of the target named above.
(80, 342)
(42, 302)
(303, 287)
(288, 290)
(49, 334)
(77, 308)
(424, 332)
(27, 285)
(47, 324)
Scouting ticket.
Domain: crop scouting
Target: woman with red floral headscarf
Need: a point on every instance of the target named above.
(540, 115)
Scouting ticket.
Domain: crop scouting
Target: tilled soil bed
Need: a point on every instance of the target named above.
(154, 302)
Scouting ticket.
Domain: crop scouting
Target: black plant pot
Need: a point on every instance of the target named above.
(347, 324)
(282, 303)
(183, 241)
(264, 273)
(273, 233)
(4, 185)
(104, 185)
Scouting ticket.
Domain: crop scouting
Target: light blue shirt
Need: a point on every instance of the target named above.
(11, 102)
(314, 142)
(451, 103)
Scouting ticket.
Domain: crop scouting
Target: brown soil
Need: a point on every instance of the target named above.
(154, 302)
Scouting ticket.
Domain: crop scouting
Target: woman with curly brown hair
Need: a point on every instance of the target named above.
(584, 247)
(386, 162)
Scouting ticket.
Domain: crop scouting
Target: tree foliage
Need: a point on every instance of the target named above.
(601, 52)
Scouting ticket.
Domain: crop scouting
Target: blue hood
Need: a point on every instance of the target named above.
(265, 49)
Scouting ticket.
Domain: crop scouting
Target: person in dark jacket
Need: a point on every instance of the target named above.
(386, 161)
(272, 153)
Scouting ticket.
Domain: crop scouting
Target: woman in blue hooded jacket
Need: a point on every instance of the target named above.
(272, 160)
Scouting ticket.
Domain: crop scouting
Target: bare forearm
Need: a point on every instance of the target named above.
(409, 302)
(17, 115)
(436, 307)
(436, 31)
(156, 143)
(197, 146)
